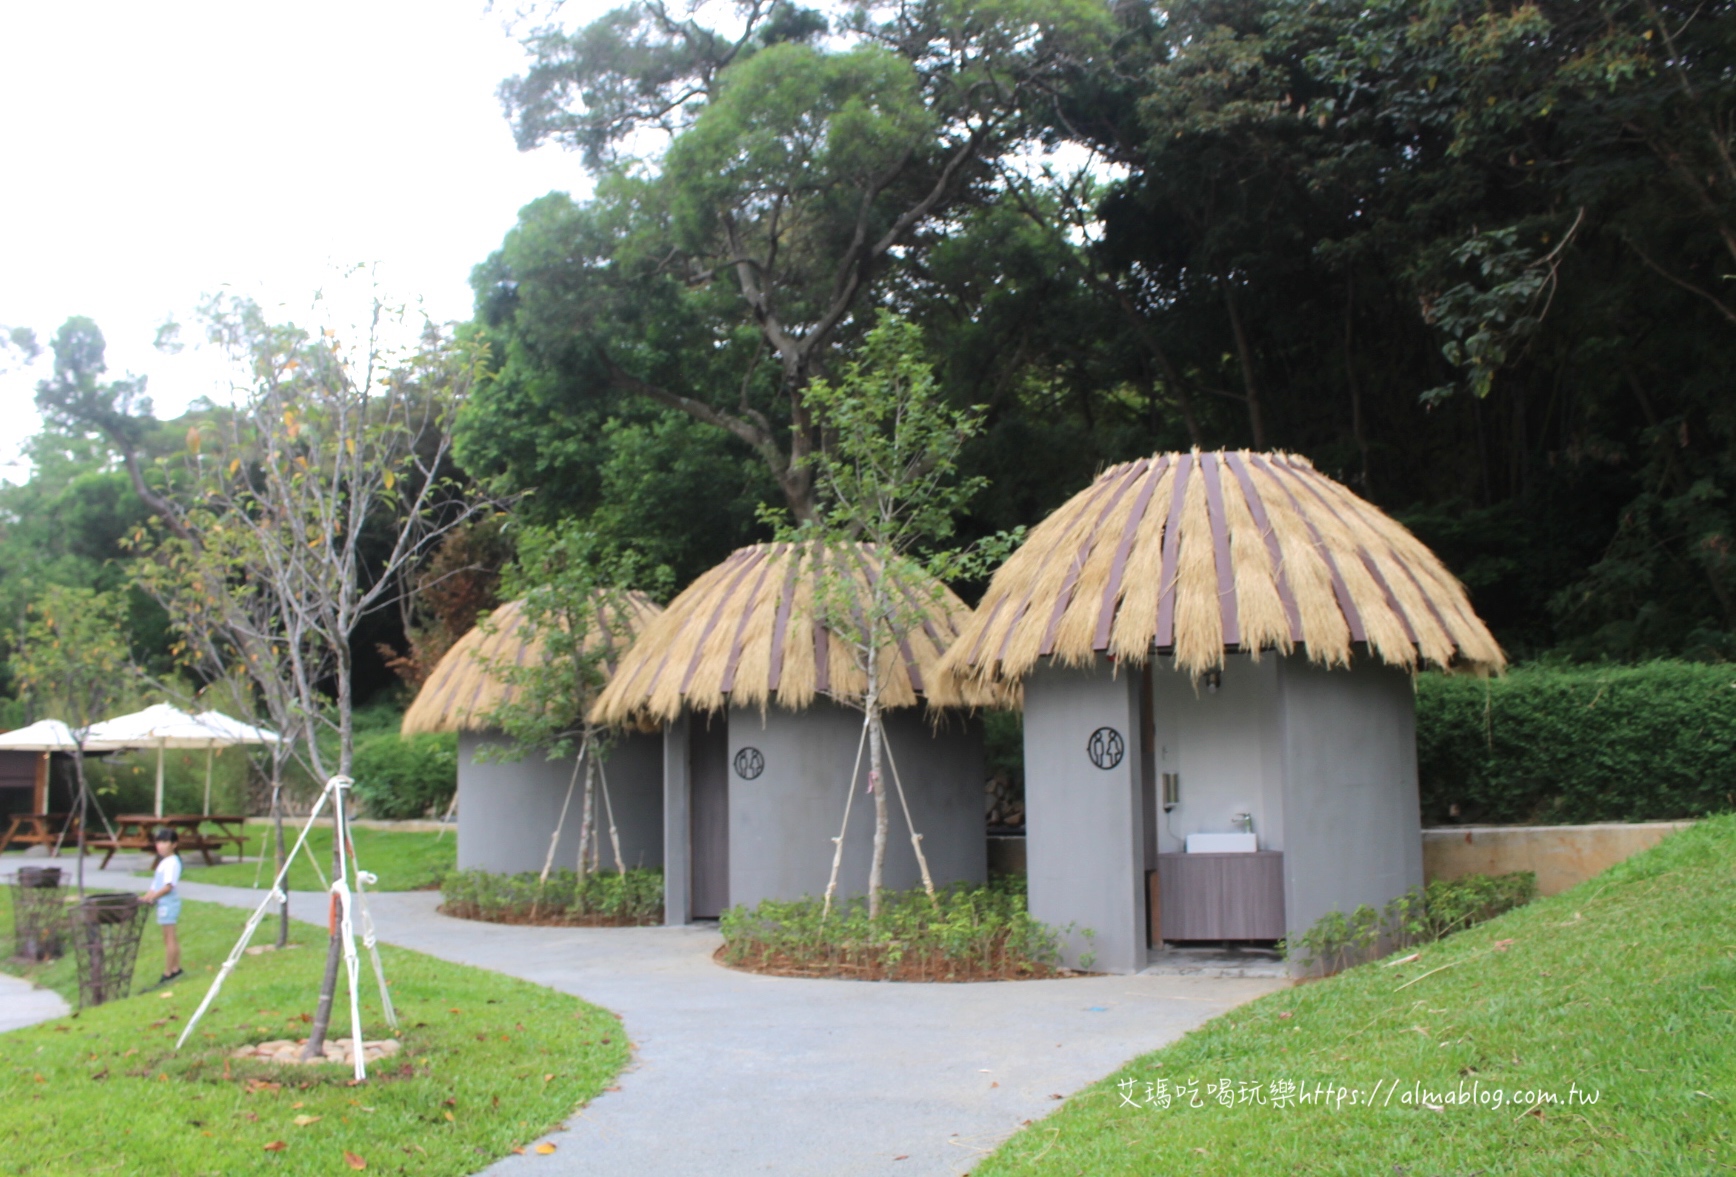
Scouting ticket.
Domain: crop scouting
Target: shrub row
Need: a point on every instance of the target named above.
(1552, 744)
(1419, 916)
(406, 777)
(965, 933)
(604, 898)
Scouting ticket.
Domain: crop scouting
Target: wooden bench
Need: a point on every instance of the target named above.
(133, 832)
(40, 829)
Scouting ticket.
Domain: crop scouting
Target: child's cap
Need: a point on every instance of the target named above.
(165, 834)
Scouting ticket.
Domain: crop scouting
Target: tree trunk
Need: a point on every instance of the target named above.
(322, 1015)
(587, 815)
(1358, 428)
(1245, 356)
(882, 820)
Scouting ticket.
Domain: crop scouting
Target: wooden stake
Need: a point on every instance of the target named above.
(838, 842)
(915, 838)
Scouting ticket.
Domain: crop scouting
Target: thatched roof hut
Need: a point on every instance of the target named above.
(1193, 554)
(461, 694)
(747, 634)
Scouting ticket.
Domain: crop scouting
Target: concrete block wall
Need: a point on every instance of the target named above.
(1352, 818)
(1085, 817)
(507, 810)
(782, 821)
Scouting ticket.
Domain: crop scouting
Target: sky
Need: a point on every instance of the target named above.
(155, 153)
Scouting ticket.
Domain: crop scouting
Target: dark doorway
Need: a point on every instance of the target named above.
(708, 770)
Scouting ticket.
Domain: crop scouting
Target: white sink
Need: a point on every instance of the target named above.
(1221, 844)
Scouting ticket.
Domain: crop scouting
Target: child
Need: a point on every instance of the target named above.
(168, 900)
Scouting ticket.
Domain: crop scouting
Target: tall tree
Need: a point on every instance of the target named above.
(801, 175)
(320, 487)
(578, 612)
(334, 467)
(887, 479)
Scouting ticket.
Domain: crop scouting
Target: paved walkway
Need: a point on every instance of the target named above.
(23, 1004)
(735, 1073)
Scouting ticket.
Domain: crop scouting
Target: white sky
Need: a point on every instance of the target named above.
(153, 153)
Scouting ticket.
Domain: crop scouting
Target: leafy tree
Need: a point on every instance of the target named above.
(18, 346)
(1448, 250)
(327, 481)
(803, 180)
(71, 661)
(577, 612)
(887, 478)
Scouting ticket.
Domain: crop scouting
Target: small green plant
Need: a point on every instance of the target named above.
(596, 898)
(1419, 916)
(965, 933)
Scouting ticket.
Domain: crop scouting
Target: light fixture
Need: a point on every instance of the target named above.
(1214, 680)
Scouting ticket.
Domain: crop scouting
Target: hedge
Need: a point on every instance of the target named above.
(1552, 744)
(399, 777)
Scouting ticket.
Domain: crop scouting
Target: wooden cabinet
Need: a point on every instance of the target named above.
(1218, 896)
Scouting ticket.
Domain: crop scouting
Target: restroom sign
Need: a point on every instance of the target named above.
(1105, 748)
(749, 764)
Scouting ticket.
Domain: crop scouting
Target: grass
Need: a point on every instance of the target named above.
(1624, 987)
(403, 860)
(489, 1064)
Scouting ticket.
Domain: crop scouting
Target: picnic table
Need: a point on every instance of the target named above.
(133, 832)
(40, 829)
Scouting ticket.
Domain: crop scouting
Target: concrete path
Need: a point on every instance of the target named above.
(23, 1004)
(735, 1073)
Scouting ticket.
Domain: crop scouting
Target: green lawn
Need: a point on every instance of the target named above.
(404, 861)
(489, 1063)
(1624, 988)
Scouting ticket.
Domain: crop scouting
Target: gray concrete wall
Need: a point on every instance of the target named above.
(1352, 820)
(677, 827)
(507, 810)
(782, 822)
(1084, 839)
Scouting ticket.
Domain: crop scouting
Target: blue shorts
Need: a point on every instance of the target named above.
(168, 909)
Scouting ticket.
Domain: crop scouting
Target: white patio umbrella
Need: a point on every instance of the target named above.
(235, 732)
(163, 727)
(49, 735)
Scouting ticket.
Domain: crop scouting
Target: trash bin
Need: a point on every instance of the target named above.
(105, 940)
(38, 914)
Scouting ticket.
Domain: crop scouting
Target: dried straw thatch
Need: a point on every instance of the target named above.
(747, 633)
(1198, 553)
(462, 694)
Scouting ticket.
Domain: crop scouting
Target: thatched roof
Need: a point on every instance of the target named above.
(1198, 553)
(461, 694)
(747, 633)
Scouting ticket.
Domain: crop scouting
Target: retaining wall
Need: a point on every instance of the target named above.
(1561, 856)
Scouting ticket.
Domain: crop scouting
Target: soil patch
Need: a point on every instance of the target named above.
(337, 1050)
